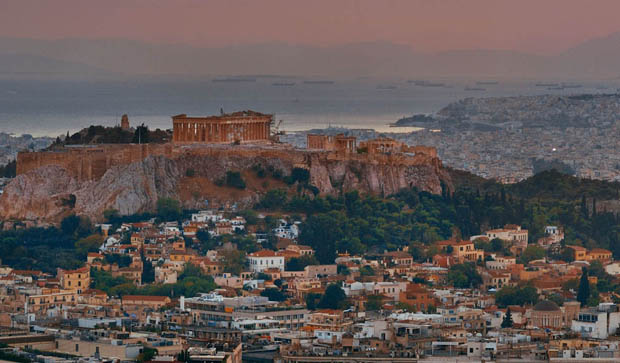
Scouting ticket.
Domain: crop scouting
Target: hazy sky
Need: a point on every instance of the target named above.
(542, 26)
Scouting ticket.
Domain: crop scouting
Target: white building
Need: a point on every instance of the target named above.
(556, 233)
(264, 259)
(613, 268)
(510, 233)
(238, 223)
(205, 216)
(288, 231)
(597, 323)
(478, 347)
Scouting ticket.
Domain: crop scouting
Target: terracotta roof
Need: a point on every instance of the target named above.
(27, 272)
(79, 270)
(600, 250)
(145, 298)
(398, 254)
(576, 248)
(288, 253)
(263, 253)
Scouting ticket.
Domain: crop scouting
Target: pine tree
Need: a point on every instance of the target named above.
(583, 294)
(507, 322)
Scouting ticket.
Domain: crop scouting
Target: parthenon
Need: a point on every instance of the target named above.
(242, 127)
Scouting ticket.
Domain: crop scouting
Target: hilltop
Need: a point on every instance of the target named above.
(131, 178)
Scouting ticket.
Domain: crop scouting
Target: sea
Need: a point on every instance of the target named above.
(53, 107)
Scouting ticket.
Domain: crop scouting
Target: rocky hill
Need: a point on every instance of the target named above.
(52, 191)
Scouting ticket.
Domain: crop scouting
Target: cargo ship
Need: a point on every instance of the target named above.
(234, 80)
(319, 82)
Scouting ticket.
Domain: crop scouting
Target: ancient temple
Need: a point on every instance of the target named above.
(338, 142)
(241, 127)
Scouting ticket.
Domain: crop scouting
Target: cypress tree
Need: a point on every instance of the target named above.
(507, 322)
(583, 294)
(584, 206)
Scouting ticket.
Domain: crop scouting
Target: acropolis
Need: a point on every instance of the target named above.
(218, 135)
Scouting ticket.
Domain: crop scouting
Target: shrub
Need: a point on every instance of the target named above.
(259, 170)
(168, 209)
(190, 173)
(235, 180)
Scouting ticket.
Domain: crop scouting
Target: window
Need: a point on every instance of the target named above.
(77, 347)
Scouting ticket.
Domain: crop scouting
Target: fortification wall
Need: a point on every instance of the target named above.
(91, 162)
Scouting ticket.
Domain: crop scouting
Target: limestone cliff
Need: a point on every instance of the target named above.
(48, 193)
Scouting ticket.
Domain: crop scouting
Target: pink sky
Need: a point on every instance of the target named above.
(542, 26)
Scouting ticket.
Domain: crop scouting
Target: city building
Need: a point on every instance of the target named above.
(78, 279)
(264, 259)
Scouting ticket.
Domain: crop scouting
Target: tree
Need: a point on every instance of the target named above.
(70, 224)
(583, 294)
(273, 199)
(512, 295)
(88, 244)
(299, 263)
(558, 299)
(141, 136)
(464, 275)
(367, 271)
(9, 170)
(531, 253)
(374, 302)
(169, 209)
(111, 215)
(300, 175)
(343, 270)
(205, 239)
(234, 261)
(250, 216)
(507, 322)
(146, 355)
(235, 180)
(191, 270)
(263, 276)
(312, 300)
(148, 272)
(273, 294)
(322, 232)
(497, 245)
(334, 298)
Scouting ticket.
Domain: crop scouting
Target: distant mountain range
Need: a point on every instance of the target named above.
(596, 58)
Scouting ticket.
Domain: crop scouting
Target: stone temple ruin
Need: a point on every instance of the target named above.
(348, 144)
(237, 127)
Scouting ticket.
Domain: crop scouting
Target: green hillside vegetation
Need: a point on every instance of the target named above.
(114, 135)
(357, 223)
